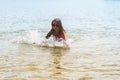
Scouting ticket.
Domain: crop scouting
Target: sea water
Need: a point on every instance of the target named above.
(93, 40)
(35, 38)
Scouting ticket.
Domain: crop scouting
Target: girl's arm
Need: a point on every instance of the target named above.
(64, 35)
(49, 34)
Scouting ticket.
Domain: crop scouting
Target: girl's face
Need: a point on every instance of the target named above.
(55, 26)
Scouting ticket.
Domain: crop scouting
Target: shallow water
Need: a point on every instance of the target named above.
(59, 64)
(93, 32)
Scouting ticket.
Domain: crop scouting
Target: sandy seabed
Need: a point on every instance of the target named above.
(57, 64)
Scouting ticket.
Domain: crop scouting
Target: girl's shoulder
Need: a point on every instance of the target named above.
(63, 32)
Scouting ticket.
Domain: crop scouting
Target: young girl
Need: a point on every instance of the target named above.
(57, 30)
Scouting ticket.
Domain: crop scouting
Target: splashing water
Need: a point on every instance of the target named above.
(35, 38)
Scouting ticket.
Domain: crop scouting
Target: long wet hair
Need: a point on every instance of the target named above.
(59, 23)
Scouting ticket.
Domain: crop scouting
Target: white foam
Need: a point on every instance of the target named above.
(36, 38)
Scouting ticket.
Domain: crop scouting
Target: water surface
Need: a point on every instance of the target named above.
(92, 26)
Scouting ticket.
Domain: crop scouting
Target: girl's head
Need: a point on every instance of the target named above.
(57, 25)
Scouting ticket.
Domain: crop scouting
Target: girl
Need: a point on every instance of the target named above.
(57, 30)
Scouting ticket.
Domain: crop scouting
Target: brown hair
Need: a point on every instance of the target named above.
(59, 23)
